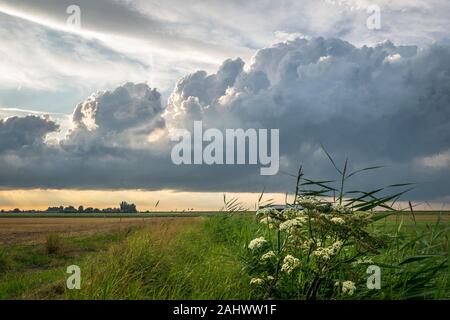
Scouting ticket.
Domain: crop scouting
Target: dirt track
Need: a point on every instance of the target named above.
(33, 230)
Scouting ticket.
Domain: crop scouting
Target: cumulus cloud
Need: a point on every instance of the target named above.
(194, 93)
(384, 104)
(24, 133)
(160, 41)
(118, 117)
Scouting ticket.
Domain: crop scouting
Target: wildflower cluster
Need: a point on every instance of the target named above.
(305, 246)
(269, 255)
(326, 253)
(257, 243)
(348, 287)
(289, 264)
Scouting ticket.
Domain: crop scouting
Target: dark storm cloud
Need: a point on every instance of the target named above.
(27, 132)
(383, 105)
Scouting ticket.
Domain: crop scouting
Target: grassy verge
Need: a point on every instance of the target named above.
(415, 263)
(33, 271)
(205, 259)
(192, 264)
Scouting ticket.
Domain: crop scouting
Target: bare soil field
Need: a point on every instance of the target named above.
(34, 230)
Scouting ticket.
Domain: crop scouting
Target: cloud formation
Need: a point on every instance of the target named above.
(27, 132)
(379, 105)
(128, 114)
(157, 42)
(385, 104)
(183, 35)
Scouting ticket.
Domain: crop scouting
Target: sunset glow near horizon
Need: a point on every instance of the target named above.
(166, 200)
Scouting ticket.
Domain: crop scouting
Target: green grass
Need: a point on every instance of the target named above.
(27, 270)
(205, 260)
(415, 262)
(194, 264)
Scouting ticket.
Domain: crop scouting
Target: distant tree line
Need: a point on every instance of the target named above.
(124, 207)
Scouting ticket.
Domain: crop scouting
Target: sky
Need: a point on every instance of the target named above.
(87, 112)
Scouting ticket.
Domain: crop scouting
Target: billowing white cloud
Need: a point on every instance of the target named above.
(184, 35)
(49, 67)
(359, 102)
(127, 107)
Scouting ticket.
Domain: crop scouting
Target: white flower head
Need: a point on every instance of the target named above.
(337, 246)
(337, 220)
(289, 225)
(269, 255)
(336, 207)
(256, 281)
(266, 211)
(325, 253)
(289, 264)
(322, 253)
(348, 287)
(292, 212)
(309, 202)
(257, 243)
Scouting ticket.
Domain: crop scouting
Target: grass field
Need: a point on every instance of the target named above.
(32, 230)
(192, 258)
